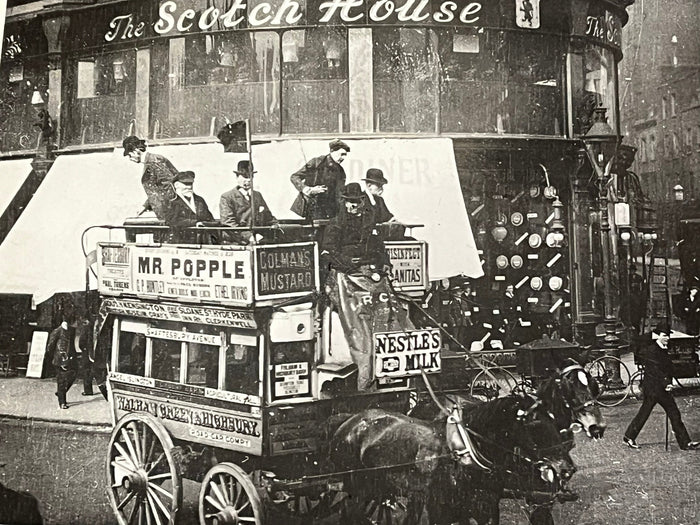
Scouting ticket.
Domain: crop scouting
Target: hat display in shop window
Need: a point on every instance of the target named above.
(375, 175)
(352, 192)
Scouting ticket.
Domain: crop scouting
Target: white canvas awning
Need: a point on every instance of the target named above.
(42, 255)
(13, 173)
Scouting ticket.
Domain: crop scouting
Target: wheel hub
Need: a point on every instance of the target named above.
(227, 516)
(136, 482)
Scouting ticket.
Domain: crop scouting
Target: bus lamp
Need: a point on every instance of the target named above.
(678, 194)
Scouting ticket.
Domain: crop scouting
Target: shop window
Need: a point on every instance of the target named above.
(500, 82)
(593, 85)
(219, 78)
(106, 75)
(315, 80)
(405, 64)
(23, 91)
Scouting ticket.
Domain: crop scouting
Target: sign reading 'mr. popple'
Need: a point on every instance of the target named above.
(183, 274)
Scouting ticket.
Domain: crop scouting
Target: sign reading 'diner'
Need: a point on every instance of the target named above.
(409, 264)
(287, 270)
(402, 354)
(184, 274)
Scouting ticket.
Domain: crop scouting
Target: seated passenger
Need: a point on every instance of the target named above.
(236, 206)
(186, 210)
(374, 187)
(350, 240)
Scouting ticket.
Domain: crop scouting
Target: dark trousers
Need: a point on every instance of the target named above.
(64, 380)
(659, 395)
(87, 374)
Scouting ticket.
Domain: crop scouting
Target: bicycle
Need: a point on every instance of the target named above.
(614, 380)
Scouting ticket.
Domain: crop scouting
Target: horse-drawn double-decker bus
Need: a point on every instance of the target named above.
(227, 366)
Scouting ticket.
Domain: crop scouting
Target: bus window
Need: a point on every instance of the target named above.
(241, 369)
(166, 359)
(132, 353)
(203, 365)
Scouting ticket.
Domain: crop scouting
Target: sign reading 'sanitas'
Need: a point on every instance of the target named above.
(402, 354)
(409, 264)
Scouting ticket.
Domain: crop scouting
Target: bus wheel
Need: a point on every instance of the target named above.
(228, 496)
(145, 485)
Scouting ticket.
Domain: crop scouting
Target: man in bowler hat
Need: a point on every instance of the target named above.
(63, 356)
(239, 206)
(374, 187)
(186, 210)
(320, 182)
(158, 174)
(656, 386)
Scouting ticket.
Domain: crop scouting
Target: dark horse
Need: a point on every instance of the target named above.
(436, 464)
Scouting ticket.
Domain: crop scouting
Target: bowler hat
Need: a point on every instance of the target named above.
(244, 168)
(337, 144)
(131, 143)
(375, 175)
(186, 177)
(352, 192)
(662, 328)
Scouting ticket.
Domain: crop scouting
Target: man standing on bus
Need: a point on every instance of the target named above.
(374, 187)
(320, 182)
(236, 206)
(158, 174)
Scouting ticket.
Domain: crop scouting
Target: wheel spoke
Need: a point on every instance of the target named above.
(213, 502)
(146, 509)
(134, 512)
(159, 503)
(239, 493)
(155, 464)
(217, 491)
(155, 477)
(246, 519)
(160, 489)
(125, 455)
(245, 505)
(130, 446)
(152, 506)
(137, 441)
(126, 500)
(123, 467)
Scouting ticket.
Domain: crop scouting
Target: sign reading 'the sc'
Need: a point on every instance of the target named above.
(402, 354)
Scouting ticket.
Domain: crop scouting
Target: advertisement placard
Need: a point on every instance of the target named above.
(409, 264)
(403, 354)
(285, 270)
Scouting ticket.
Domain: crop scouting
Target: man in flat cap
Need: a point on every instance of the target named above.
(158, 174)
(186, 210)
(319, 183)
(374, 187)
(239, 206)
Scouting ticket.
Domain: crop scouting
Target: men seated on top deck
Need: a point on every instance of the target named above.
(243, 206)
(187, 209)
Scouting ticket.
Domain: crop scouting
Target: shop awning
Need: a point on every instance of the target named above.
(13, 173)
(43, 253)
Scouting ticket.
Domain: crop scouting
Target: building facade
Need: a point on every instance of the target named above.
(515, 85)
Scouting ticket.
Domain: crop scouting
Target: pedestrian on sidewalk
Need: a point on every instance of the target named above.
(63, 356)
(83, 344)
(656, 388)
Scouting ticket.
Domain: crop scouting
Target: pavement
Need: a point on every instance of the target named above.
(34, 399)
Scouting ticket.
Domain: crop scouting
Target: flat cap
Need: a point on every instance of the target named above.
(337, 144)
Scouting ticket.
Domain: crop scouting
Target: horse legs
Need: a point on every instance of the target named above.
(542, 515)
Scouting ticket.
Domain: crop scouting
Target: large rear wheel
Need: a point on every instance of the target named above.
(229, 497)
(492, 383)
(145, 486)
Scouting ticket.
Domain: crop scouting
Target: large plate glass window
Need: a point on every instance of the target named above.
(203, 81)
(502, 82)
(593, 84)
(315, 80)
(405, 79)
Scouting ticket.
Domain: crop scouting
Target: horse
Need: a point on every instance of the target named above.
(456, 467)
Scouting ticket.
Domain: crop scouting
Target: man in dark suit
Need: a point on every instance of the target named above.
(239, 206)
(63, 356)
(320, 182)
(186, 210)
(374, 187)
(158, 175)
(656, 386)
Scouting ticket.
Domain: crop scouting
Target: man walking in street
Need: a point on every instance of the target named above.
(239, 206)
(656, 386)
(158, 175)
(320, 182)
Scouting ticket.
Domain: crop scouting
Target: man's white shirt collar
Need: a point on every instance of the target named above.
(189, 202)
(371, 198)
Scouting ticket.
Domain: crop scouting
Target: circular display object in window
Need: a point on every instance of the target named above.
(516, 262)
(536, 283)
(502, 262)
(516, 218)
(534, 191)
(555, 283)
(535, 240)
